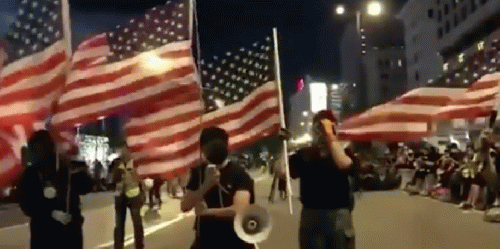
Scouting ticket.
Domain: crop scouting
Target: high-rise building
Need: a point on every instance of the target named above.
(373, 60)
(450, 42)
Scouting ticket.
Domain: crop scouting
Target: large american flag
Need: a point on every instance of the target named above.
(149, 60)
(37, 62)
(37, 50)
(240, 93)
(406, 118)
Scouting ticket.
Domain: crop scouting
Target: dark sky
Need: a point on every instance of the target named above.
(309, 31)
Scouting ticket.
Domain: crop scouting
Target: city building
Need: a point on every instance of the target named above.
(373, 63)
(315, 96)
(450, 42)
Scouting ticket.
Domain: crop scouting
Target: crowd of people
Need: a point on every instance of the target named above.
(466, 177)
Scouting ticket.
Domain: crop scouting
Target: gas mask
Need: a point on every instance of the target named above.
(216, 151)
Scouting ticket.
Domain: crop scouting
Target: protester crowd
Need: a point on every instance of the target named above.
(465, 177)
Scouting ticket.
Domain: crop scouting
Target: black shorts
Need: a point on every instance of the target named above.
(479, 180)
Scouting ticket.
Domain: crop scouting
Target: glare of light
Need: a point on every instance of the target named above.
(306, 138)
(152, 62)
(302, 123)
(354, 85)
(101, 117)
(335, 87)
(304, 113)
(340, 10)
(430, 81)
(219, 103)
(480, 46)
(445, 67)
(461, 57)
(374, 8)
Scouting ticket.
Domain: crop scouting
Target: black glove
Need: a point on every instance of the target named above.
(284, 134)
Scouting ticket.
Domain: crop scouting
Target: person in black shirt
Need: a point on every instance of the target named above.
(326, 220)
(218, 189)
(55, 220)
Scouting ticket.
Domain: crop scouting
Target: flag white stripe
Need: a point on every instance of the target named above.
(261, 127)
(29, 106)
(129, 97)
(268, 87)
(165, 114)
(168, 149)
(8, 163)
(389, 127)
(115, 66)
(123, 81)
(34, 59)
(163, 167)
(34, 81)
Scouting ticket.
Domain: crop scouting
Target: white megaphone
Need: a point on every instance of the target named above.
(253, 225)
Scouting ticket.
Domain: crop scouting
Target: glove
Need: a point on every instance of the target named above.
(284, 134)
(61, 216)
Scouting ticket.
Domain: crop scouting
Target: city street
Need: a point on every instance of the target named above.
(382, 220)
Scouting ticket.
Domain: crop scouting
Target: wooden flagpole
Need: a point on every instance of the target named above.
(282, 116)
(66, 21)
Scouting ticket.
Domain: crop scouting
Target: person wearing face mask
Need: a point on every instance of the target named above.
(218, 189)
(49, 193)
(325, 193)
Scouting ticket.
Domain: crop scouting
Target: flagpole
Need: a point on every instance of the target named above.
(66, 21)
(282, 116)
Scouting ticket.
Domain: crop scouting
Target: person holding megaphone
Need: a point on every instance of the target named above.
(218, 190)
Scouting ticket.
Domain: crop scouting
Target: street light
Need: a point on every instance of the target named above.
(374, 8)
(340, 10)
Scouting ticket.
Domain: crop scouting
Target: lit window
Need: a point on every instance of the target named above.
(400, 63)
(461, 57)
(445, 67)
(480, 46)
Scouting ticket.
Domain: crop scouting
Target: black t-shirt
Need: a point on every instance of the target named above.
(322, 185)
(214, 231)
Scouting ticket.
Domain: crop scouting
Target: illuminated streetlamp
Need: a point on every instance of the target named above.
(340, 10)
(374, 8)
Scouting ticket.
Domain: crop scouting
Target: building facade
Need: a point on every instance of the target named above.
(373, 63)
(450, 42)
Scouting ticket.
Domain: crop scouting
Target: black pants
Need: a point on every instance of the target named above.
(326, 229)
(121, 205)
(48, 233)
(154, 196)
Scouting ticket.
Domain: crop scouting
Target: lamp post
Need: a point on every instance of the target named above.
(373, 8)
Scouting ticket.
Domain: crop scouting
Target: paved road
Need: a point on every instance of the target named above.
(382, 220)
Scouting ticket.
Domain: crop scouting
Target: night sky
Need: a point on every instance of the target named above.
(309, 31)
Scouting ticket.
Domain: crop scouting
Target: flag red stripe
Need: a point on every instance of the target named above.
(424, 100)
(248, 142)
(481, 85)
(385, 136)
(27, 72)
(145, 82)
(181, 118)
(108, 111)
(388, 117)
(94, 42)
(85, 63)
(169, 175)
(164, 141)
(254, 121)
(475, 101)
(32, 93)
(183, 152)
(247, 108)
(191, 95)
(25, 118)
(95, 80)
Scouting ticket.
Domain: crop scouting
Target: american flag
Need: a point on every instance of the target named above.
(406, 118)
(37, 51)
(150, 59)
(240, 93)
(37, 62)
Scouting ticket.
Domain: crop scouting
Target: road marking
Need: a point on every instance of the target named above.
(129, 239)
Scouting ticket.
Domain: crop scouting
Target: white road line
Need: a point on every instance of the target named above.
(129, 240)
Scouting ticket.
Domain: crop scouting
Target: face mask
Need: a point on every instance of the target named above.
(216, 151)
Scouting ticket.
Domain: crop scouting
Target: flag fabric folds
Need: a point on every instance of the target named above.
(240, 93)
(149, 59)
(35, 69)
(407, 118)
(476, 103)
